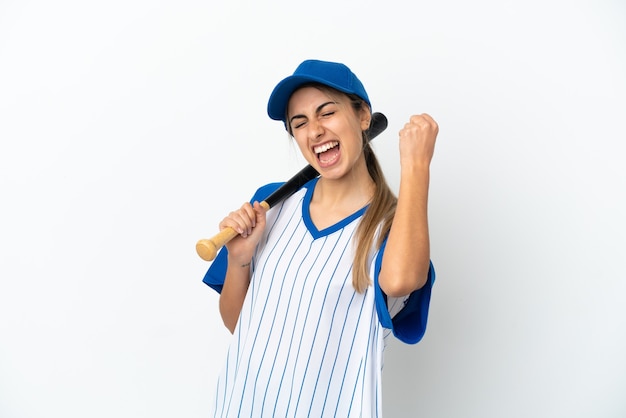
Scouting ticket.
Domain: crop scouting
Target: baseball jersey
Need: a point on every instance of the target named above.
(306, 343)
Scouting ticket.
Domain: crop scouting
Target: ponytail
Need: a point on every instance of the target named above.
(380, 212)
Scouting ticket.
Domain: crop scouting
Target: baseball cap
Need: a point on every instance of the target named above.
(332, 74)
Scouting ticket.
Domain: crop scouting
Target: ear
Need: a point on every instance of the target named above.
(365, 117)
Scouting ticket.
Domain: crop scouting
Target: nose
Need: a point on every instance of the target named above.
(316, 129)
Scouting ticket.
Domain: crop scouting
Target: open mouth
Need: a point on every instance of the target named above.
(327, 153)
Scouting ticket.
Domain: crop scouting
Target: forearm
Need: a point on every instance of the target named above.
(407, 254)
(234, 292)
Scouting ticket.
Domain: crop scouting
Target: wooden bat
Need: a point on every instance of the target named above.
(207, 248)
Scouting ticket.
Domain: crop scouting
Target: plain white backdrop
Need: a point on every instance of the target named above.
(128, 129)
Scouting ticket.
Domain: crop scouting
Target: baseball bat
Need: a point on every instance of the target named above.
(207, 248)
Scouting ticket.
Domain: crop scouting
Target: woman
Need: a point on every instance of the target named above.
(311, 288)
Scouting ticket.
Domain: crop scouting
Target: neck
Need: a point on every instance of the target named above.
(350, 192)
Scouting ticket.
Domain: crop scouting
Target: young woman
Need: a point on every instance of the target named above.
(311, 288)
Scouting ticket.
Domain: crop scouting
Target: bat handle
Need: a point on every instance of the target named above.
(207, 248)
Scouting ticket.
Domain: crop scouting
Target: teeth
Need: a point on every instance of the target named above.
(325, 147)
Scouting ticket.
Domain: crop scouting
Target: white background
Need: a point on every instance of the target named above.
(130, 128)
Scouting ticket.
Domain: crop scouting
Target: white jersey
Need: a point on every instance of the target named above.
(306, 343)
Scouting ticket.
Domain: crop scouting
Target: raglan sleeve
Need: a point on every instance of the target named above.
(405, 316)
(215, 275)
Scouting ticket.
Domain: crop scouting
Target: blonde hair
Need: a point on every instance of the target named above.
(379, 213)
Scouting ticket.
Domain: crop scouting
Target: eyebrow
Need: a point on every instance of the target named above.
(318, 110)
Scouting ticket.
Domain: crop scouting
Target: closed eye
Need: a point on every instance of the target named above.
(298, 122)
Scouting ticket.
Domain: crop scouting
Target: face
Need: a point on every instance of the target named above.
(328, 130)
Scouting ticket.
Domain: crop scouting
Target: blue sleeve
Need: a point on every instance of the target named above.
(216, 273)
(409, 325)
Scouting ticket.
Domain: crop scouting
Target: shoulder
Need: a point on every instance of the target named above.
(265, 191)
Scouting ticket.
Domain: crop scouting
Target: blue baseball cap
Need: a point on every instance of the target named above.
(331, 74)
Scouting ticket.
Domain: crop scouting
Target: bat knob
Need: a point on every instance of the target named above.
(206, 249)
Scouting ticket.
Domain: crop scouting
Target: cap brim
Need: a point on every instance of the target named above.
(277, 104)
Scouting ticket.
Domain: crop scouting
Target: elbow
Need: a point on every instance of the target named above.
(229, 324)
(229, 327)
(227, 318)
(401, 288)
(398, 283)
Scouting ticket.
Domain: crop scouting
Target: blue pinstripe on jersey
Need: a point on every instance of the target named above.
(306, 344)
